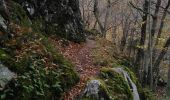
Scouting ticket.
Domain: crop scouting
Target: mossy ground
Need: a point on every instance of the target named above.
(42, 73)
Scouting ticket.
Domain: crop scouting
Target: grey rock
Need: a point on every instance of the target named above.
(65, 13)
(5, 76)
(94, 90)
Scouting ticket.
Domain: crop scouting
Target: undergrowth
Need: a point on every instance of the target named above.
(42, 73)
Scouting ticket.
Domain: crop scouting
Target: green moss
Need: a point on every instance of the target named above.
(125, 61)
(116, 84)
(38, 25)
(6, 58)
(113, 86)
(68, 76)
(34, 81)
(146, 95)
(3, 55)
(129, 70)
(132, 74)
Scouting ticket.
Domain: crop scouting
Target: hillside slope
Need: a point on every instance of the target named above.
(42, 72)
(47, 52)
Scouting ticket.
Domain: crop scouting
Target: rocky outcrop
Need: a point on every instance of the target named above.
(63, 15)
(60, 17)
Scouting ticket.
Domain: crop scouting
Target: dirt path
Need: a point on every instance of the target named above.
(84, 66)
(80, 55)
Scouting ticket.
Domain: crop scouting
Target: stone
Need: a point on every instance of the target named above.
(5, 76)
(94, 90)
(64, 15)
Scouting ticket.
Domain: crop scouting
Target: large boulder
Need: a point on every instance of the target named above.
(62, 15)
(110, 85)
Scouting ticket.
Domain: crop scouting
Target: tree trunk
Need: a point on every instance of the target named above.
(159, 59)
(108, 10)
(163, 52)
(155, 18)
(125, 34)
(96, 14)
(168, 82)
(103, 28)
(160, 29)
(140, 52)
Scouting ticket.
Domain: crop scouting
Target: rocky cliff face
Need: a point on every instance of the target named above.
(61, 16)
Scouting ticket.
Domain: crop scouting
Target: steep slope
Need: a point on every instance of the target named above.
(42, 72)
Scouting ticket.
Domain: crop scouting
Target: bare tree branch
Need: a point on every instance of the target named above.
(130, 3)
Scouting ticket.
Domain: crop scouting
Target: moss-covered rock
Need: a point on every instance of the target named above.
(42, 72)
(116, 84)
(129, 70)
(109, 85)
(95, 90)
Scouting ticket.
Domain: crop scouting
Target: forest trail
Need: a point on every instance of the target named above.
(80, 55)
